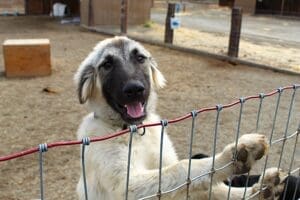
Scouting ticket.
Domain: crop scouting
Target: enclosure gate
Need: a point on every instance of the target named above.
(42, 148)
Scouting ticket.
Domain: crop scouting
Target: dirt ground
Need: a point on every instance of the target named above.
(29, 116)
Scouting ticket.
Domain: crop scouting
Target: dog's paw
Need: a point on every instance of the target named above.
(250, 147)
(272, 185)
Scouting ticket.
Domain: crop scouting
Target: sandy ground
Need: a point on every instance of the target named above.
(29, 116)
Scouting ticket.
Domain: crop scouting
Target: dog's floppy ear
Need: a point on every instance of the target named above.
(85, 79)
(157, 77)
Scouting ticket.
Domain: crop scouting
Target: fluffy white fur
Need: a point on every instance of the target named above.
(106, 161)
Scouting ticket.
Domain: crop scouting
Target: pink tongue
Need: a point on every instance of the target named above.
(135, 110)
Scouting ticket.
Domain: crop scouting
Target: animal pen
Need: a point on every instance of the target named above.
(290, 133)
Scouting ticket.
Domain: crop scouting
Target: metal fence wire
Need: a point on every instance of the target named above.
(132, 130)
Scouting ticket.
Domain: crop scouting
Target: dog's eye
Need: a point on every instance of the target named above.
(141, 59)
(107, 64)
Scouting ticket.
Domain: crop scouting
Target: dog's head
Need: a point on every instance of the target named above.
(120, 74)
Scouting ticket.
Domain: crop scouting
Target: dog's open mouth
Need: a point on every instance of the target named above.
(133, 112)
(135, 109)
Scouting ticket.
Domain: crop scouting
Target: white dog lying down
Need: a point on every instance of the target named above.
(118, 81)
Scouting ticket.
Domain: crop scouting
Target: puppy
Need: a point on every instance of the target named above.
(118, 82)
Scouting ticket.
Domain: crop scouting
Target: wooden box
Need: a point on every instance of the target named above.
(27, 57)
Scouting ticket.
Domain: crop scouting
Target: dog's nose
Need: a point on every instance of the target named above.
(133, 88)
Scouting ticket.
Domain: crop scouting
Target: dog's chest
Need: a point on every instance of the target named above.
(146, 152)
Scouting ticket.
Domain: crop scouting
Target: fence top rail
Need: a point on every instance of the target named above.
(122, 132)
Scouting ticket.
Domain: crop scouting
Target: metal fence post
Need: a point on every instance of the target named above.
(85, 141)
(213, 170)
(164, 123)
(194, 115)
(133, 129)
(261, 97)
(235, 32)
(169, 33)
(42, 148)
(242, 101)
(279, 91)
(287, 126)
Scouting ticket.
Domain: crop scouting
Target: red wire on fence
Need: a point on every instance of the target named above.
(119, 133)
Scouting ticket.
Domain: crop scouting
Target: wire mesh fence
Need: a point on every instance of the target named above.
(290, 133)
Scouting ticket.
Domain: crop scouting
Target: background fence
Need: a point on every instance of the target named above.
(286, 140)
(211, 29)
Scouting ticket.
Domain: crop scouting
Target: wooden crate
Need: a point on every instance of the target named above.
(27, 57)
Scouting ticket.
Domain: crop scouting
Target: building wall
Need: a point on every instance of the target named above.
(275, 7)
(12, 6)
(44, 7)
(248, 6)
(35, 7)
(107, 12)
